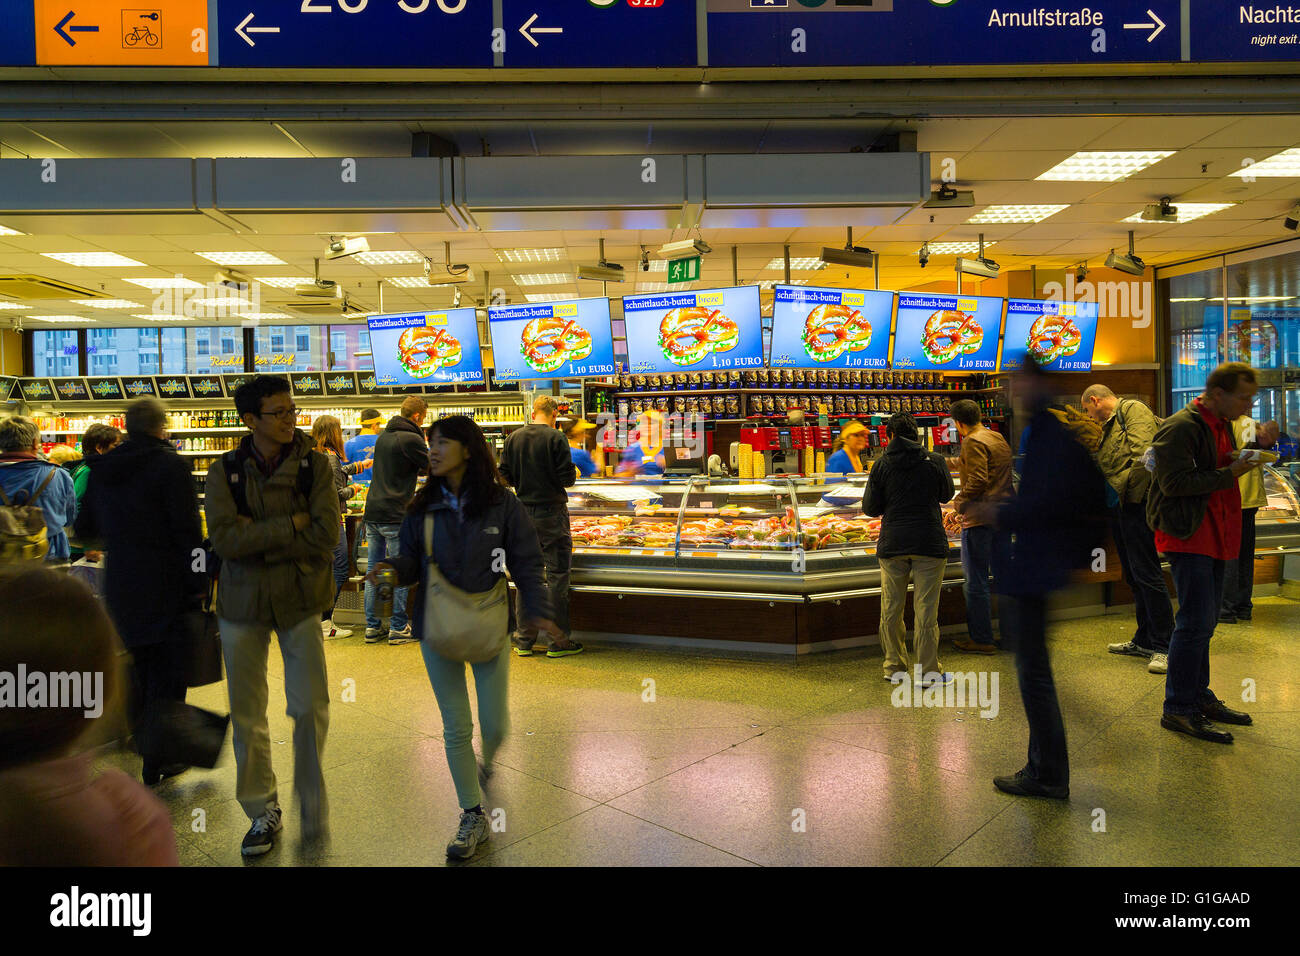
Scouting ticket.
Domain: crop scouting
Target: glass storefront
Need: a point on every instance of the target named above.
(289, 348)
(349, 348)
(55, 353)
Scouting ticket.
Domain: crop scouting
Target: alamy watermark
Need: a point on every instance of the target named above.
(64, 690)
(969, 689)
(1131, 300)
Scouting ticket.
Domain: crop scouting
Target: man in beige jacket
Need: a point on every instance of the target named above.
(273, 518)
(1127, 428)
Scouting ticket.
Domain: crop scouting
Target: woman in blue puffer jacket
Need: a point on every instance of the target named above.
(480, 531)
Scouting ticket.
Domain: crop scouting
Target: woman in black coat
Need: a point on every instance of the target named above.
(141, 508)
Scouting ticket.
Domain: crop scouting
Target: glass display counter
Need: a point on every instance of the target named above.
(1277, 523)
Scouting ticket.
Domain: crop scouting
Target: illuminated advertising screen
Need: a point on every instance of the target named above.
(694, 331)
(426, 348)
(551, 340)
(1059, 335)
(830, 328)
(952, 333)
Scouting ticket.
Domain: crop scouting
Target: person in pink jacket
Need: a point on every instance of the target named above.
(59, 688)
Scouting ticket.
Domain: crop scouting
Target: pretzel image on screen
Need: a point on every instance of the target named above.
(548, 343)
(687, 335)
(831, 330)
(949, 333)
(1053, 337)
(422, 351)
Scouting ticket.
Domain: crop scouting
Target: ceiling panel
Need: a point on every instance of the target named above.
(1159, 132)
(352, 139)
(1277, 132)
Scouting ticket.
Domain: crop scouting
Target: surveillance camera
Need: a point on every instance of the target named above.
(924, 255)
(347, 246)
(1081, 271)
(1292, 220)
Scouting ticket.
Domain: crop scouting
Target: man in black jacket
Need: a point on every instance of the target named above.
(140, 503)
(907, 487)
(536, 461)
(400, 455)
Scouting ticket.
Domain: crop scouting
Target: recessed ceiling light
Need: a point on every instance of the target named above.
(242, 258)
(232, 303)
(107, 303)
(664, 287)
(1196, 298)
(408, 282)
(1187, 211)
(797, 263)
(544, 278)
(956, 248)
(389, 258)
(93, 260)
(1284, 164)
(767, 284)
(13, 305)
(281, 282)
(6, 231)
(1101, 166)
(548, 296)
(531, 255)
(658, 265)
(1260, 298)
(271, 316)
(164, 318)
(1016, 213)
(61, 318)
(166, 282)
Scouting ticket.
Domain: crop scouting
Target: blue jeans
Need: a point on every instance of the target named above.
(381, 540)
(1136, 544)
(341, 565)
(1198, 579)
(1049, 759)
(451, 690)
(982, 551)
(1239, 575)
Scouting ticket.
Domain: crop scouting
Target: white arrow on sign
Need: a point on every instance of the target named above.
(243, 33)
(529, 27)
(1156, 27)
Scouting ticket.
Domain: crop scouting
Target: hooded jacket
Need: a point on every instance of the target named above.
(400, 454)
(272, 574)
(905, 489)
(140, 505)
(21, 474)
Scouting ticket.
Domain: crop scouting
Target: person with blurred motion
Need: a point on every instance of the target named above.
(1127, 429)
(537, 463)
(140, 507)
(1058, 519)
(98, 439)
(26, 479)
(459, 526)
(1239, 572)
(645, 456)
(273, 517)
(361, 447)
(576, 433)
(56, 808)
(846, 457)
(985, 469)
(1195, 508)
(327, 438)
(399, 457)
(65, 456)
(908, 484)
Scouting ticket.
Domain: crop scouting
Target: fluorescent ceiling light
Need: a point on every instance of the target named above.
(957, 248)
(797, 263)
(767, 284)
(1102, 166)
(13, 305)
(6, 231)
(1016, 213)
(94, 260)
(549, 296)
(164, 318)
(389, 258)
(1187, 211)
(1260, 298)
(531, 255)
(664, 287)
(1285, 164)
(408, 282)
(1197, 298)
(281, 282)
(241, 258)
(61, 318)
(544, 278)
(166, 282)
(658, 265)
(108, 303)
(232, 302)
(270, 316)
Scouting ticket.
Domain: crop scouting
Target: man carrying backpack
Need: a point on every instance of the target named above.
(273, 516)
(1127, 429)
(37, 498)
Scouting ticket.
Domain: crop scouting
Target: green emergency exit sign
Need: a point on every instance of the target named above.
(683, 270)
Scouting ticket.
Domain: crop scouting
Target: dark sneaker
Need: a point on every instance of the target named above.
(376, 635)
(261, 835)
(1023, 785)
(472, 831)
(567, 649)
(1130, 649)
(1227, 619)
(522, 648)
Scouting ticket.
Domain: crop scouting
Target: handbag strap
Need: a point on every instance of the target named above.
(428, 535)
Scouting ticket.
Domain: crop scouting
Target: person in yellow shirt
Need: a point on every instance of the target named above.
(1239, 575)
(847, 457)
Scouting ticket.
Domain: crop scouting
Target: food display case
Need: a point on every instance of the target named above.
(1277, 523)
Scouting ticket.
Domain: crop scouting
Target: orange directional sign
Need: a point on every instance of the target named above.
(122, 32)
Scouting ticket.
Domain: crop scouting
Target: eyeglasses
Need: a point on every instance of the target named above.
(285, 414)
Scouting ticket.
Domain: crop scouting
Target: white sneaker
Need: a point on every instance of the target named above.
(472, 831)
(1159, 664)
(401, 637)
(332, 632)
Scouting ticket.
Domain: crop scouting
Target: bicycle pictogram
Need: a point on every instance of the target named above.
(136, 31)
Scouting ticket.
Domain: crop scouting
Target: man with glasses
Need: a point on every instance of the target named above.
(273, 517)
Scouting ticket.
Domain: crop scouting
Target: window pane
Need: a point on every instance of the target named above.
(122, 351)
(289, 348)
(214, 350)
(1195, 327)
(345, 342)
(55, 352)
(173, 352)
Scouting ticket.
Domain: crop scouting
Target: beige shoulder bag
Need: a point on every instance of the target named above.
(461, 625)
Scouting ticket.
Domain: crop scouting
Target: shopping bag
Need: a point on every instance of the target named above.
(90, 573)
(203, 645)
(177, 732)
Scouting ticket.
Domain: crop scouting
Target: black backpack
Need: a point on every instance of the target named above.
(232, 462)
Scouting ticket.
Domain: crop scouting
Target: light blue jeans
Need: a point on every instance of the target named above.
(451, 690)
(381, 541)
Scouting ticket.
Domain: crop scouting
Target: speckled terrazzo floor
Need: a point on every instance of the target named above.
(774, 762)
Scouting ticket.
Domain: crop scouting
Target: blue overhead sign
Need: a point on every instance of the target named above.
(599, 33)
(18, 38)
(1222, 30)
(748, 33)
